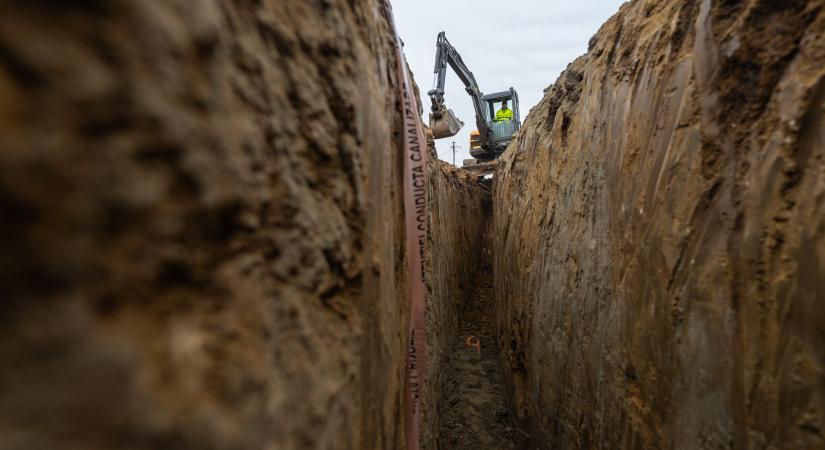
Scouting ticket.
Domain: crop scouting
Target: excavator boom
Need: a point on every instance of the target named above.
(493, 136)
(442, 120)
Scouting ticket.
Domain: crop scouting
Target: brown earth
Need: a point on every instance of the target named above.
(201, 225)
(203, 239)
(660, 234)
(453, 263)
(475, 411)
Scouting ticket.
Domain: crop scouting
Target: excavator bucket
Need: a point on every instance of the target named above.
(444, 123)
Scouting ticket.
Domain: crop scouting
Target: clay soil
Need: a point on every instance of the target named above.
(475, 415)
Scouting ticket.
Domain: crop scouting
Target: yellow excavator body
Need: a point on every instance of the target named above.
(475, 140)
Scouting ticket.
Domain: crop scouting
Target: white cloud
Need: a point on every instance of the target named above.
(523, 43)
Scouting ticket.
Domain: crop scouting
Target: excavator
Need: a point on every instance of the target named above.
(491, 138)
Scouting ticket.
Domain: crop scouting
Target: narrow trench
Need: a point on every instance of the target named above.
(475, 413)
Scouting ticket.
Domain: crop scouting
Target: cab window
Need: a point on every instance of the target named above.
(495, 107)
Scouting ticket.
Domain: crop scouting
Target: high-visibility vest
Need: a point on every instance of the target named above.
(504, 115)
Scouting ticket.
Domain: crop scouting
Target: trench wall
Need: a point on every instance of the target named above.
(660, 234)
(201, 226)
(459, 219)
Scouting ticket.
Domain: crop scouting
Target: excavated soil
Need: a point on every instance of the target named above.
(660, 223)
(201, 225)
(475, 413)
(452, 265)
(203, 243)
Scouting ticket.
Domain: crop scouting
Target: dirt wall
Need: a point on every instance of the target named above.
(201, 225)
(660, 234)
(459, 219)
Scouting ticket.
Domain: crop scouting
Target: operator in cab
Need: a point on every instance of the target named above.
(504, 113)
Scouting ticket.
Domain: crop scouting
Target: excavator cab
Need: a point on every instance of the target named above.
(502, 130)
(446, 124)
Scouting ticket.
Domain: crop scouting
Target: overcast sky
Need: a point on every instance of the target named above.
(520, 43)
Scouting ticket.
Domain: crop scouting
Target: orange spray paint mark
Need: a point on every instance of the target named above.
(473, 341)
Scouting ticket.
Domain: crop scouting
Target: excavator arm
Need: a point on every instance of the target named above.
(442, 120)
